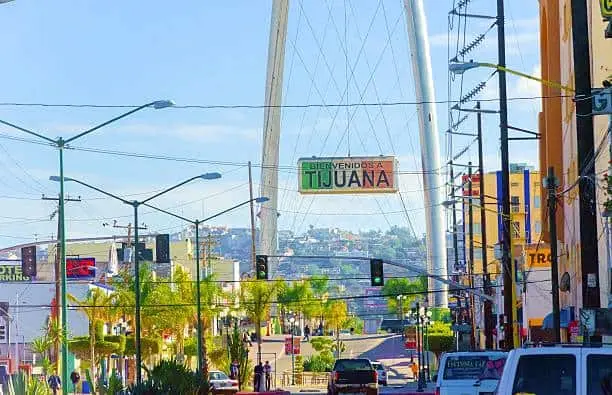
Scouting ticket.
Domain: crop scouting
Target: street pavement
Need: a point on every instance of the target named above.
(388, 349)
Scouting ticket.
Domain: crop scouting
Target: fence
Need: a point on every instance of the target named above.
(316, 379)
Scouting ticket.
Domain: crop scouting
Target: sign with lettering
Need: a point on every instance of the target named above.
(373, 174)
(602, 100)
(12, 273)
(538, 257)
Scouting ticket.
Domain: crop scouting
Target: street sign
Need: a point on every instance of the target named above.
(296, 345)
(463, 328)
(602, 99)
(371, 174)
(605, 7)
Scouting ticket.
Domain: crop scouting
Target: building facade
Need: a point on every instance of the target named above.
(559, 140)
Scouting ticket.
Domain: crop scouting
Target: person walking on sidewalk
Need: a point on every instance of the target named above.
(55, 383)
(258, 382)
(415, 371)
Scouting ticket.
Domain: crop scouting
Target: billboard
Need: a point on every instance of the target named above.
(80, 267)
(372, 174)
(12, 273)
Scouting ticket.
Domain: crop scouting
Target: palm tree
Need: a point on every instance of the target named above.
(96, 306)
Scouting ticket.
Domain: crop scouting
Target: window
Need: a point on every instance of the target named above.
(516, 230)
(537, 227)
(477, 253)
(514, 184)
(537, 201)
(515, 200)
(546, 375)
(599, 369)
(476, 228)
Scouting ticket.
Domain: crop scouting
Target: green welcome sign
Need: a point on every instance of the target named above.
(376, 174)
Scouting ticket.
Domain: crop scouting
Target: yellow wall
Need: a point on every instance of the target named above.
(516, 189)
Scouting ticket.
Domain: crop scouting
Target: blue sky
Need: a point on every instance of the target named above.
(203, 53)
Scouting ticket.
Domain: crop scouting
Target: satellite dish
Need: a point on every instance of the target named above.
(564, 284)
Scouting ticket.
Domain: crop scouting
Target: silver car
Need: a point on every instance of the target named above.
(382, 372)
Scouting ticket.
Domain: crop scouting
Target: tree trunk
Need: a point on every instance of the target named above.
(92, 349)
(258, 334)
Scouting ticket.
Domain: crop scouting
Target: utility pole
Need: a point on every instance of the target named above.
(56, 269)
(471, 256)
(589, 259)
(488, 308)
(253, 230)
(452, 197)
(551, 185)
(505, 178)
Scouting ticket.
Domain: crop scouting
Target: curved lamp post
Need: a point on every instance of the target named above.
(60, 143)
(196, 223)
(292, 321)
(461, 67)
(135, 205)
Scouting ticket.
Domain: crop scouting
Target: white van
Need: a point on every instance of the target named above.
(470, 372)
(558, 370)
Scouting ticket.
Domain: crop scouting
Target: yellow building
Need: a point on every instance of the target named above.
(525, 206)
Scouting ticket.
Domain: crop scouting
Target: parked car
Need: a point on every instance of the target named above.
(558, 370)
(382, 372)
(470, 373)
(353, 376)
(219, 379)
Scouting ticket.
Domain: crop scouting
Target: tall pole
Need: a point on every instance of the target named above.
(551, 185)
(198, 295)
(505, 175)
(64, 309)
(488, 308)
(137, 296)
(272, 125)
(253, 230)
(589, 259)
(471, 257)
(418, 38)
(454, 213)
(293, 354)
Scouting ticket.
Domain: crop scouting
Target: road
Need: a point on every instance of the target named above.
(388, 349)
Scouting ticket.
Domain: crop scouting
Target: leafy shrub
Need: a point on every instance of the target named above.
(441, 343)
(322, 362)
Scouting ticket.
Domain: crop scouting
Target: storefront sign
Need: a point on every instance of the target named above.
(12, 273)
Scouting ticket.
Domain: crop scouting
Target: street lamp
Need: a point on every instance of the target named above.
(459, 68)
(135, 204)
(60, 144)
(292, 321)
(426, 323)
(197, 223)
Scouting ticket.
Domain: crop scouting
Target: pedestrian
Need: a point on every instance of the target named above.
(234, 370)
(415, 371)
(306, 333)
(246, 339)
(268, 372)
(258, 375)
(75, 377)
(55, 383)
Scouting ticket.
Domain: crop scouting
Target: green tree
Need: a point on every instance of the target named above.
(336, 315)
(97, 307)
(256, 297)
(403, 286)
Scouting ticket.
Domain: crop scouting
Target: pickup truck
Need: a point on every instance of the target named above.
(557, 370)
(353, 376)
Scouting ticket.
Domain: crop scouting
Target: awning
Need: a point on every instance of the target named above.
(567, 315)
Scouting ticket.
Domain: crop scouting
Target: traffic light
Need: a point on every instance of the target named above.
(376, 272)
(28, 261)
(261, 264)
(2, 332)
(162, 248)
